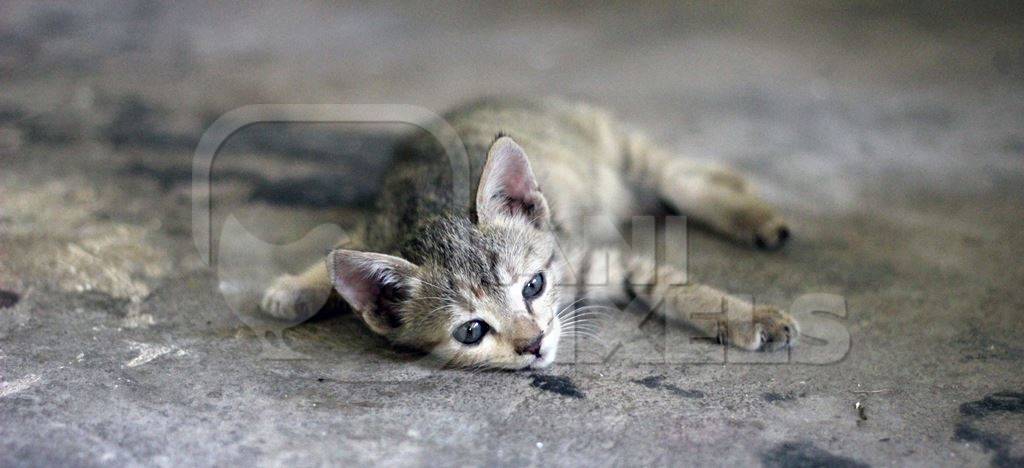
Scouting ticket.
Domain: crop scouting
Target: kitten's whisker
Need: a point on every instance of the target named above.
(584, 317)
(445, 306)
(590, 338)
(444, 299)
(595, 318)
(587, 336)
(577, 339)
(577, 330)
(566, 308)
(596, 307)
(428, 283)
(584, 334)
(577, 301)
(581, 326)
(478, 368)
(587, 311)
(580, 320)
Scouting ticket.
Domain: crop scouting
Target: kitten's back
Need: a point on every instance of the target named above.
(554, 132)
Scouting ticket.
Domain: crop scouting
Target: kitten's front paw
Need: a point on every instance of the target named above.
(771, 235)
(288, 299)
(760, 225)
(778, 329)
(769, 330)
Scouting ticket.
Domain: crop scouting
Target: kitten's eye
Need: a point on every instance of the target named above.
(471, 332)
(534, 287)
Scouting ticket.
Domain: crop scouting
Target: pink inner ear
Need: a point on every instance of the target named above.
(507, 177)
(357, 287)
(361, 280)
(517, 182)
(371, 283)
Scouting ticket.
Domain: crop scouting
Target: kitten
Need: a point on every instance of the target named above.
(492, 283)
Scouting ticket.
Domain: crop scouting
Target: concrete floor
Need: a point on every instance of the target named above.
(891, 137)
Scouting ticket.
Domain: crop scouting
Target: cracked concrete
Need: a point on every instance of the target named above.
(892, 137)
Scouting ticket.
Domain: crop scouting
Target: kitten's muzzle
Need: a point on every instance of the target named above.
(531, 347)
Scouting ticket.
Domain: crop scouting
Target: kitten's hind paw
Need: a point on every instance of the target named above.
(289, 299)
(769, 330)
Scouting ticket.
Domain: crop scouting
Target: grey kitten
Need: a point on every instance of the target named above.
(490, 281)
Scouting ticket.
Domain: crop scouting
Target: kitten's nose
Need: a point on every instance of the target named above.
(533, 347)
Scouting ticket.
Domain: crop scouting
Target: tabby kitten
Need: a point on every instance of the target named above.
(491, 282)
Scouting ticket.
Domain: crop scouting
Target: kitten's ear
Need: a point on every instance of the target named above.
(508, 186)
(373, 284)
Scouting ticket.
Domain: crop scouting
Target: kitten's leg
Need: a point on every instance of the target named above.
(611, 274)
(298, 297)
(710, 193)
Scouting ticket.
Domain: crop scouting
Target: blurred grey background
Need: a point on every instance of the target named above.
(890, 134)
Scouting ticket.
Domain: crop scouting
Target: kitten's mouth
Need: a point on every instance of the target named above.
(548, 349)
(541, 361)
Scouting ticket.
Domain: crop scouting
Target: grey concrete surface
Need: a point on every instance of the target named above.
(892, 137)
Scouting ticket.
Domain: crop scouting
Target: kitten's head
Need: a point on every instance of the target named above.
(472, 294)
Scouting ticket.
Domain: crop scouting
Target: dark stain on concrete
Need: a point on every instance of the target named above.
(1011, 402)
(977, 346)
(11, 113)
(655, 382)
(805, 454)
(684, 393)
(8, 299)
(973, 411)
(772, 397)
(557, 384)
(51, 128)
